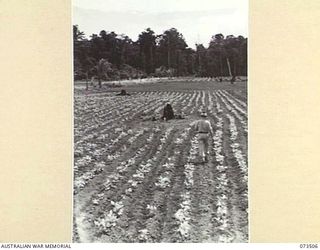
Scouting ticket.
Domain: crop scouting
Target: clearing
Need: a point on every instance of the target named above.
(138, 180)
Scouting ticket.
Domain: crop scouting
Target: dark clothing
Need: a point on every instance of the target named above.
(168, 112)
(123, 92)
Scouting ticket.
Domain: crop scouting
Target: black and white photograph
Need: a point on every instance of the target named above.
(160, 121)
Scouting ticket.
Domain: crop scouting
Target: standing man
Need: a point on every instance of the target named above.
(203, 127)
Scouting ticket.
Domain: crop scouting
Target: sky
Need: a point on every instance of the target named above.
(197, 20)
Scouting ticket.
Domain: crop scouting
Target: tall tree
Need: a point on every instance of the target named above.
(77, 34)
(172, 43)
(102, 68)
(166, 54)
(83, 60)
(217, 46)
(147, 42)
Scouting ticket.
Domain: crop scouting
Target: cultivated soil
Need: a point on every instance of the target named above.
(138, 180)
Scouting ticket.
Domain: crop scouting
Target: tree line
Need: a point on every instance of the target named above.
(110, 56)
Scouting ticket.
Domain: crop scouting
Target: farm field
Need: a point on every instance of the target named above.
(138, 180)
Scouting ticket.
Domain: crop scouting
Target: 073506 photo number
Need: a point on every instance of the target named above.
(308, 245)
